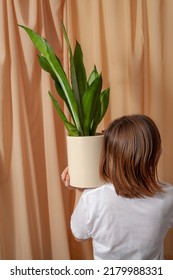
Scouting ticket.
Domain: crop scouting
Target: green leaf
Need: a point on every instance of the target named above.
(67, 40)
(39, 42)
(89, 103)
(62, 95)
(46, 66)
(85, 101)
(72, 130)
(80, 69)
(64, 89)
(43, 46)
(104, 99)
(101, 109)
(74, 80)
(94, 74)
(75, 87)
(96, 119)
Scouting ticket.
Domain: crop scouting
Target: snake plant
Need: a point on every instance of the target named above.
(84, 98)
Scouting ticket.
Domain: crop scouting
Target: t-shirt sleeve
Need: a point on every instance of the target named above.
(79, 225)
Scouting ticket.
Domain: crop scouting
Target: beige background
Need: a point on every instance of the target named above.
(131, 42)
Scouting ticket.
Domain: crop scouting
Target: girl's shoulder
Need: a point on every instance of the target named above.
(103, 190)
(108, 190)
(167, 194)
(167, 187)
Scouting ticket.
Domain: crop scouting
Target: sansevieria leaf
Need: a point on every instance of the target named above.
(72, 130)
(104, 100)
(101, 109)
(80, 69)
(74, 73)
(89, 103)
(45, 66)
(85, 100)
(45, 49)
(94, 74)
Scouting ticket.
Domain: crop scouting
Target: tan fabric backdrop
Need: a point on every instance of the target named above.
(131, 42)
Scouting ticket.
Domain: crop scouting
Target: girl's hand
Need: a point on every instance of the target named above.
(65, 177)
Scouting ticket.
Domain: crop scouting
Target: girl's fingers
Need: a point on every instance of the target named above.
(65, 177)
(67, 181)
(64, 174)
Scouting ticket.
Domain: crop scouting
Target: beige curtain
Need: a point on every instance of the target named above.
(131, 42)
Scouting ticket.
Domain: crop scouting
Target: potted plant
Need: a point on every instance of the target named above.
(86, 102)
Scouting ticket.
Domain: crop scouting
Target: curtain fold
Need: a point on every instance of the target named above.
(131, 42)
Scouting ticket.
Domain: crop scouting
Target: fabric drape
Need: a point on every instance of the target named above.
(130, 42)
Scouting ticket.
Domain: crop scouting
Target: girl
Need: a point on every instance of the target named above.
(129, 216)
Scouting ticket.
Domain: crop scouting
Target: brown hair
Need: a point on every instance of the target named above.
(130, 154)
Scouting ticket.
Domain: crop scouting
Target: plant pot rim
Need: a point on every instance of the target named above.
(87, 136)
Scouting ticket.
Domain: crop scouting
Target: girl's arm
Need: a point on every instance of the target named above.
(77, 197)
(66, 179)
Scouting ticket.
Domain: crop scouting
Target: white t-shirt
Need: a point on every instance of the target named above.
(123, 228)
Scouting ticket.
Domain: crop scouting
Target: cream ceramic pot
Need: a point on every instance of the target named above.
(83, 160)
